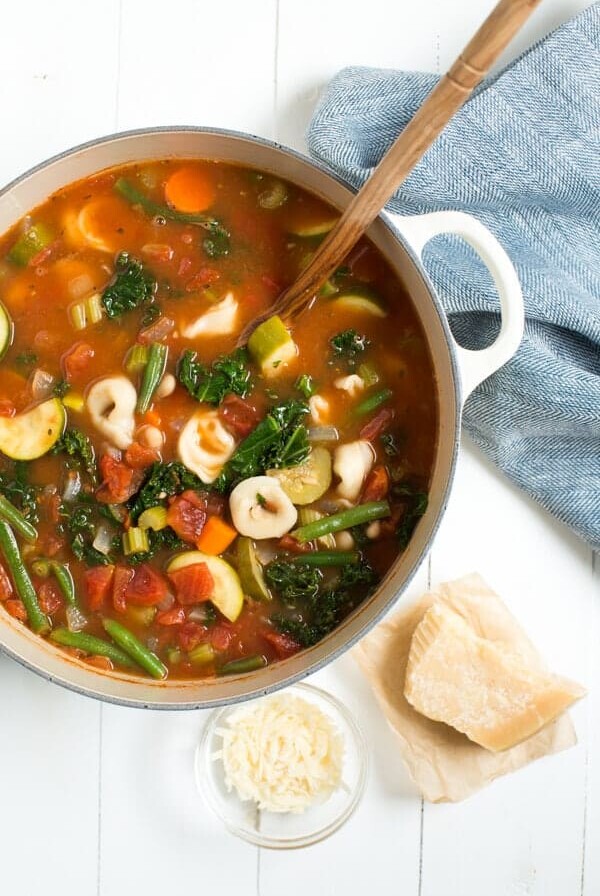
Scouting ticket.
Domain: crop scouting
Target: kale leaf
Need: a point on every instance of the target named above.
(162, 481)
(217, 244)
(322, 609)
(61, 388)
(415, 503)
(390, 444)
(77, 446)
(293, 581)
(15, 486)
(347, 346)
(26, 359)
(305, 385)
(130, 288)
(81, 521)
(229, 373)
(280, 440)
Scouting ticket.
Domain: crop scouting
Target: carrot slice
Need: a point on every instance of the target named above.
(216, 536)
(190, 190)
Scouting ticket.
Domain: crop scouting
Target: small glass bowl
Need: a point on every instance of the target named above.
(285, 830)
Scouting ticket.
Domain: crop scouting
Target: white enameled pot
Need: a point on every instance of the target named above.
(457, 371)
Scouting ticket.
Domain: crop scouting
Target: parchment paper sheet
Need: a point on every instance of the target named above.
(444, 764)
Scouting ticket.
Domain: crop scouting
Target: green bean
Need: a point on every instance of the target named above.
(62, 574)
(38, 621)
(134, 648)
(355, 516)
(153, 373)
(91, 645)
(327, 558)
(246, 664)
(133, 195)
(10, 513)
(373, 402)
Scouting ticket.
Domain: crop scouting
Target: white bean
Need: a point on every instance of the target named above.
(150, 436)
(166, 386)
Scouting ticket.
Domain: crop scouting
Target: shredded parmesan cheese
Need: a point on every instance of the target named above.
(283, 753)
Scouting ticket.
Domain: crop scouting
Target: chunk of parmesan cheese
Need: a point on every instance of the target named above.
(283, 753)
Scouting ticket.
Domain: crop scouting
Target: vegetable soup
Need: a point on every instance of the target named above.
(171, 504)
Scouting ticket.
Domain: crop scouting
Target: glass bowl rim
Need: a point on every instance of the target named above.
(206, 788)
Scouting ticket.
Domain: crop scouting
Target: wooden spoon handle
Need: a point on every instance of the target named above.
(445, 99)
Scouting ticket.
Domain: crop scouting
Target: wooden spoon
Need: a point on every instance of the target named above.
(443, 102)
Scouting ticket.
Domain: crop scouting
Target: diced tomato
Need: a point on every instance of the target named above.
(119, 481)
(271, 284)
(53, 504)
(388, 526)
(49, 598)
(205, 277)
(98, 582)
(175, 616)
(6, 588)
(50, 544)
(76, 360)
(289, 543)
(193, 583)
(147, 588)
(187, 515)
(43, 255)
(377, 484)
(121, 579)
(220, 636)
(184, 266)
(74, 652)
(238, 415)
(284, 645)
(100, 662)
(139, 456)
(7, 408)
(17, 609)
(377, 424)
(190, 635)
(215, 504)
(160, 252)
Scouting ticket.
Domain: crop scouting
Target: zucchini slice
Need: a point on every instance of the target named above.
(308, 481)
(33, 433)
(310, 231)
(355, 301)
(250, 570)
(228, 596)
(271, 345)
(6, 330)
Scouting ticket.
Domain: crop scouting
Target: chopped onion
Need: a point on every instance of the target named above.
(76, 621)
(266, 551)
(166, 603)
(41, 384)
(103, 540)
(72, 486)
(152, 644)
(198, 614)
(156, 331)
(323, 434)
(80, 286)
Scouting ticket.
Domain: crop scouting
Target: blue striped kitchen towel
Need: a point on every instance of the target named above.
(523, 156)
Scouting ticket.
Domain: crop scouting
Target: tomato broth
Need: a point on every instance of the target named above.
(170, 504)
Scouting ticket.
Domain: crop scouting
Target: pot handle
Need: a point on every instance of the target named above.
(475, 366)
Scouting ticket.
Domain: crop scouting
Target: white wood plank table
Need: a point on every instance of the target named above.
(96, 799)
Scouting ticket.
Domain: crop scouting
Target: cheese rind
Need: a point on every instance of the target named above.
(477, 686)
